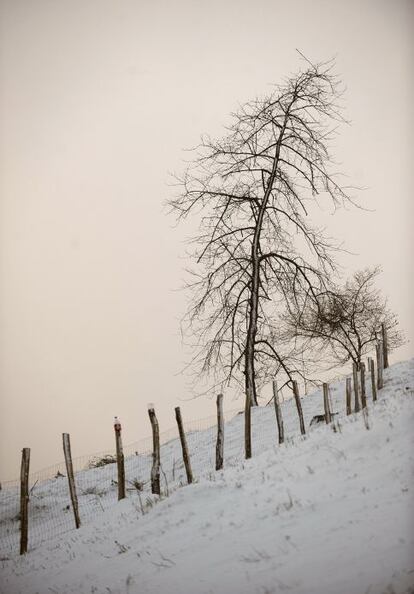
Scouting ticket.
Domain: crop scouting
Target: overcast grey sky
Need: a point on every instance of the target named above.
(97, 101)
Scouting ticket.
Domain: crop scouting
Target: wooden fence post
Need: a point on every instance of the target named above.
(357, 407)
(119, 459)
(156, 457)
(299, 407)
(278, 412)
(328, 416)
(373, 384)
(71, 477)
(381, 351)
(377, 354)
(348, 396)
(184, 447)
(24, 500)
(363, 391)
(385, 345)
(248, 427)
(380, 365)
(220, 433)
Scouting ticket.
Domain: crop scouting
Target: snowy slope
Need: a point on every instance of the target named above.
(332, 513)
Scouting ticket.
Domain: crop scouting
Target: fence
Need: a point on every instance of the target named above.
(96, 483)
(96, 475)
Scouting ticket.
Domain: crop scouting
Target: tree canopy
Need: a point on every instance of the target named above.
(256, 251)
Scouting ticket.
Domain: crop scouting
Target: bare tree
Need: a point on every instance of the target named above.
(256, 249)
(346, 321)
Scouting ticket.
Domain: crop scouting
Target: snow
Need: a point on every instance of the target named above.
(328, 513)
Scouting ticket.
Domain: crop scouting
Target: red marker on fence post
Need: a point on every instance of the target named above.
(119, 459)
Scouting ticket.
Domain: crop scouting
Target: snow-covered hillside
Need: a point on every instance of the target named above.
(331, 513)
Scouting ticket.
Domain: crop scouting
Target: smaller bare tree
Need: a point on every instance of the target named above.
(346, 321)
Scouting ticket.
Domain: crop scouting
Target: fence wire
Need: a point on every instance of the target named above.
(50, 510)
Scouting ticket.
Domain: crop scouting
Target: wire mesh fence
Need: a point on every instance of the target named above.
(50, 512)
(96, 483)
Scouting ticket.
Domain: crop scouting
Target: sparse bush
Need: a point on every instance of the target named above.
(139, 485)
(98, 462)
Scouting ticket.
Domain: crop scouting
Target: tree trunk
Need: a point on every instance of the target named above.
(220, 433)
(385, 345)
(250, 380)
(248, 429)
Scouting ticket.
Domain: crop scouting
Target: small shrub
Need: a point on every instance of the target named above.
(139, 485)
(99, 462)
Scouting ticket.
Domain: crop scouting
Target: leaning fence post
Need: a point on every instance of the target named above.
(377, 353)
(363, 391)
(24, 500)
(356, 387)
(380, 365)
(326, 406)
(298, 406)
(220, 433)
(278, 412)
(156, 457)
(348, 395)
(248, 426)
(71, 477)
(184, 447)
(373, 384)
(119, 459)
(385, 345)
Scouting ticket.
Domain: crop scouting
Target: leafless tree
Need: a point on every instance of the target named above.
(256, 249)
(346, 321)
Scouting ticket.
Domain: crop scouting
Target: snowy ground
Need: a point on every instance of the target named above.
(332, 513)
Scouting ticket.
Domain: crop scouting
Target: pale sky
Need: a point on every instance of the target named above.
(98, 99)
